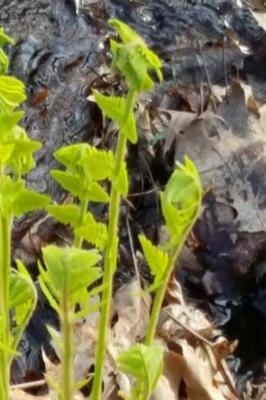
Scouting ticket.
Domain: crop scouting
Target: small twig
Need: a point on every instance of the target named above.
(138, 194)
(132, 250)
(28, 385)
(224, 65)
(219, 362)
(190, 330)
(202, 63)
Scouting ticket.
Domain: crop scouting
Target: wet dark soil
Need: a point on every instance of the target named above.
(59, 55)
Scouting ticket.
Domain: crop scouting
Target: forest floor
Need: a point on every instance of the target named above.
(212, 107)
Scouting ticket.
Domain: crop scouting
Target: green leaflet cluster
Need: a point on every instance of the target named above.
(70, 276)
(180, 203)
(70, 271)
(65, 280)
(17, 291)
(85, 168)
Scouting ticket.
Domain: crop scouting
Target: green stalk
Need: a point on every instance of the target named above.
(110, 258)
(160, 293)
(5, 262)
(83, 209)
(66, 323)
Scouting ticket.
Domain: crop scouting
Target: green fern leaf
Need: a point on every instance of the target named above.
(8, 194)
(97, 164)
(145, 364)
(8, 122)
(133, 58)
(115, 108)
(83, 159)
(4, 38)
(69, 270)
(127, 34)
(6, 151)
(112, 107)
(27, 200)
(69, 155)
(181, 199)
(4, 62)
(156, 259)
(129, 129)
(121, 181)
(92, 231)
(97, 193)
(70, 182)
(67, 214)
(12, 91)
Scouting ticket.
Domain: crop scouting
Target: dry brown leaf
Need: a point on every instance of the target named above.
(179, 121)
(168, 385)
(187, 315)
(132, 307)
(232, 162)
(198, 373)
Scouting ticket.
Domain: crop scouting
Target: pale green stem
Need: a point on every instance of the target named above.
(5, 261)
(160, 293)
(110, 259)
(66, 324)
(83, 209)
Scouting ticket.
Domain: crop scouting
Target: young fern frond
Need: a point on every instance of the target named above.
(84, 160)
(94, 232)
(145, 365)
(133, 58)
(65, 280)
(115, 108)
(181, 203)
(22, 302)
(66, 214)
(157, 261)
(17, 292)
(135, 62)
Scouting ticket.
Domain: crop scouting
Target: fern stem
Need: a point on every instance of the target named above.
(5, 262)
(67, 382)
(110, 259)
(160, 293)
(83, 209)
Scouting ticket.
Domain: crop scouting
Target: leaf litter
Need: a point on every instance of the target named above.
(223, 266)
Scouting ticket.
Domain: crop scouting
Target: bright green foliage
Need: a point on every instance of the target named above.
(22, 302)
(86, 161)
(65, 280)
(115, 108)
(16, 147)
(85, 190)
(145, 365)
(17, 291)
(181, 203)
(85, 167)
(66, 213)
(135, 61)
(4, 38)
(16, 199)
(181, 200)
(156, 259)
(94, 232)
(69, 272)
(4, 62)
(133, 58)
(12, 92)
